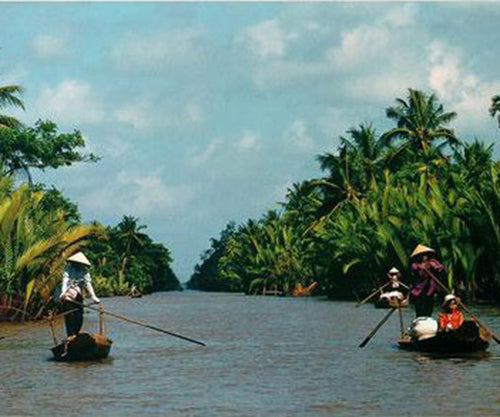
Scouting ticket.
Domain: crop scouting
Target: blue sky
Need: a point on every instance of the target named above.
(205, 113)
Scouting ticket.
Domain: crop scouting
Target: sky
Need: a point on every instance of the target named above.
(205, 113)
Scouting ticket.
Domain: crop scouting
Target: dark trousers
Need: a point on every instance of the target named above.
(74, 320)
(423, 305)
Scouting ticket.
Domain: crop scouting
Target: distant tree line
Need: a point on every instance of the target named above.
(380, 195)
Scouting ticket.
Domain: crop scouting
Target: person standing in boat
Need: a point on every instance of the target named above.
(424, 287)
(76, 278)
(396, 291)
(450, 316)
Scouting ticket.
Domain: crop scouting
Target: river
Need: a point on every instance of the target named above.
(265, 356)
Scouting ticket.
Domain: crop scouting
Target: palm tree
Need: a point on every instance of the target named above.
(9, 97)
(495, 107)
(367, 151)
(129, 239)
(34, 244)
(421, 121)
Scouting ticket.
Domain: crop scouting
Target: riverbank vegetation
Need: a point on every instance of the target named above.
(381, 194)
(40, 227)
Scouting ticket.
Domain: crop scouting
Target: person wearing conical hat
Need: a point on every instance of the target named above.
(396, 291)
(76, 277)
(424, 287)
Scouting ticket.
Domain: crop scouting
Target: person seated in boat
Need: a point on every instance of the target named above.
(424, 287)
(396, 291)
(450, 316)
(76, 278)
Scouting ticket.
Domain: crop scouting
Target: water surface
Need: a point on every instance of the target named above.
(265, 356)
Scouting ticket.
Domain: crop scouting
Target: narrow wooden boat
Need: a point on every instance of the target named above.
(386, 303)
(82, 346)
(468, 338)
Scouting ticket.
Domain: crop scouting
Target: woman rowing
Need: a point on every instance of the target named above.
(76, 278)
(424, 266)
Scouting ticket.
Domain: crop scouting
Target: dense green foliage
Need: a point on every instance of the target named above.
(126, 257)
(40, 227)
(380, 196)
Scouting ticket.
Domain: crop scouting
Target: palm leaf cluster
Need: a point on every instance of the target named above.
(34, 242)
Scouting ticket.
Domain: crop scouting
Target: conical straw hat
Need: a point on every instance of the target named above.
(394, 270)
(79, 258)
(421, 249)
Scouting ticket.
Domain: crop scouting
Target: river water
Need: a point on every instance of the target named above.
(265, 356)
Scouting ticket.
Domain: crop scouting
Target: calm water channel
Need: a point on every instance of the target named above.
(265, 356)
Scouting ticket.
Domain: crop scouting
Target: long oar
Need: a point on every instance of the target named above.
(373, 294)
(493, 335)
(139, 323)
(372, 333)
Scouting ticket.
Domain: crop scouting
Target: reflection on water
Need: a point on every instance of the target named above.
(265, 356)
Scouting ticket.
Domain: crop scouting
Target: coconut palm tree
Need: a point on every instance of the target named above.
(421, 122)
(9, 97)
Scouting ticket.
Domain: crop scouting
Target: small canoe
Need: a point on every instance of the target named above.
(82, 347)
(468, 338)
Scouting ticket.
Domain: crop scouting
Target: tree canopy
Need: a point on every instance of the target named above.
(379, 197)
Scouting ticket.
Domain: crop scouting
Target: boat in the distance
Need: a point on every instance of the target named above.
(82, 346)
(468, 338)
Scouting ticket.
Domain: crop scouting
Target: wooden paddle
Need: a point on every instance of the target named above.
(372, 333)
(373, 294)
(139, 323)
(466, 309)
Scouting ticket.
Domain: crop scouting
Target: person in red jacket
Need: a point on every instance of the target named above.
(450, 317)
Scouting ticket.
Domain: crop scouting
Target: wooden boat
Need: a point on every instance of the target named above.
(134, 293)
(82, 346)
(300, 291)
(386, 303)
(468, 338)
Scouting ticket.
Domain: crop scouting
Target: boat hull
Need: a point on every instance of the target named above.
(83, 347)
(385, 303)
(466, 339)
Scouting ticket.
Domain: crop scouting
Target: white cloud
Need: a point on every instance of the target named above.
(140, 194)
(358, 46)
(401, 16)
(203, 156)
(383, 87)
(265, 39)
(168, 48)
(444, 71)
(284, 73)
(298, 139)
(369, 42)
(456, 84)
(249, 141)
(71, 102)
(48, 46)
(144, 114)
